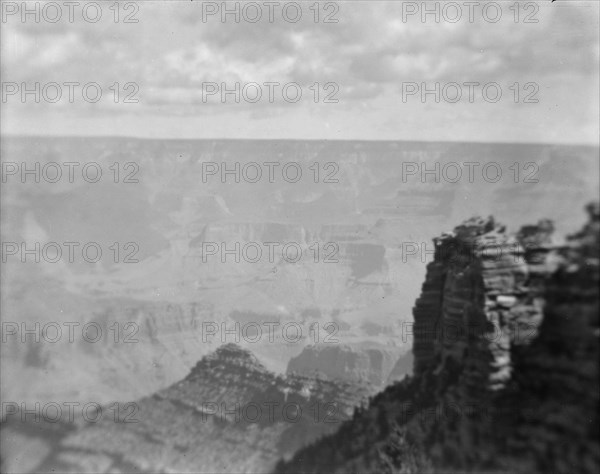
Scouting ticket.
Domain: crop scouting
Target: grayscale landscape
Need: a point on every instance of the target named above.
(388, 282)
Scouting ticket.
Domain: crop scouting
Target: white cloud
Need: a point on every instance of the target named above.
(170, 52)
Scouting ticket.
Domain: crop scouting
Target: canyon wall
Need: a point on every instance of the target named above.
(370, 363)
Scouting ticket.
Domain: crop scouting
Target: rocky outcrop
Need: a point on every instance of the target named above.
(343, 362)
(506, 346)
(230, 414)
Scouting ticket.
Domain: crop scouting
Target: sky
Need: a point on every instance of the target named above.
(360, 74)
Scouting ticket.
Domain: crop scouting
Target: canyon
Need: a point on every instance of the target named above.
(177, 304)
(504, 378)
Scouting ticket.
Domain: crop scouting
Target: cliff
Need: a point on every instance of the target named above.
(506, 346)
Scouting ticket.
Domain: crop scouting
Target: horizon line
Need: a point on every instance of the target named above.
(131, 137)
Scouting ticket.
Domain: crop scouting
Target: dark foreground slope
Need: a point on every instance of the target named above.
(229, 414)
(506, 365)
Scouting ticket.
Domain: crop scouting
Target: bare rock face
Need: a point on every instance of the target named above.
(342, 362)
(506, 369)
(473, 302)
(402, 368)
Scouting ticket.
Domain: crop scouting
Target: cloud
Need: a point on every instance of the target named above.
(171, 52)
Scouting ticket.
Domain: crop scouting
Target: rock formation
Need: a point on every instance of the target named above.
(230, 414)
(344, 362)
(402, 368)
(506, 346)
